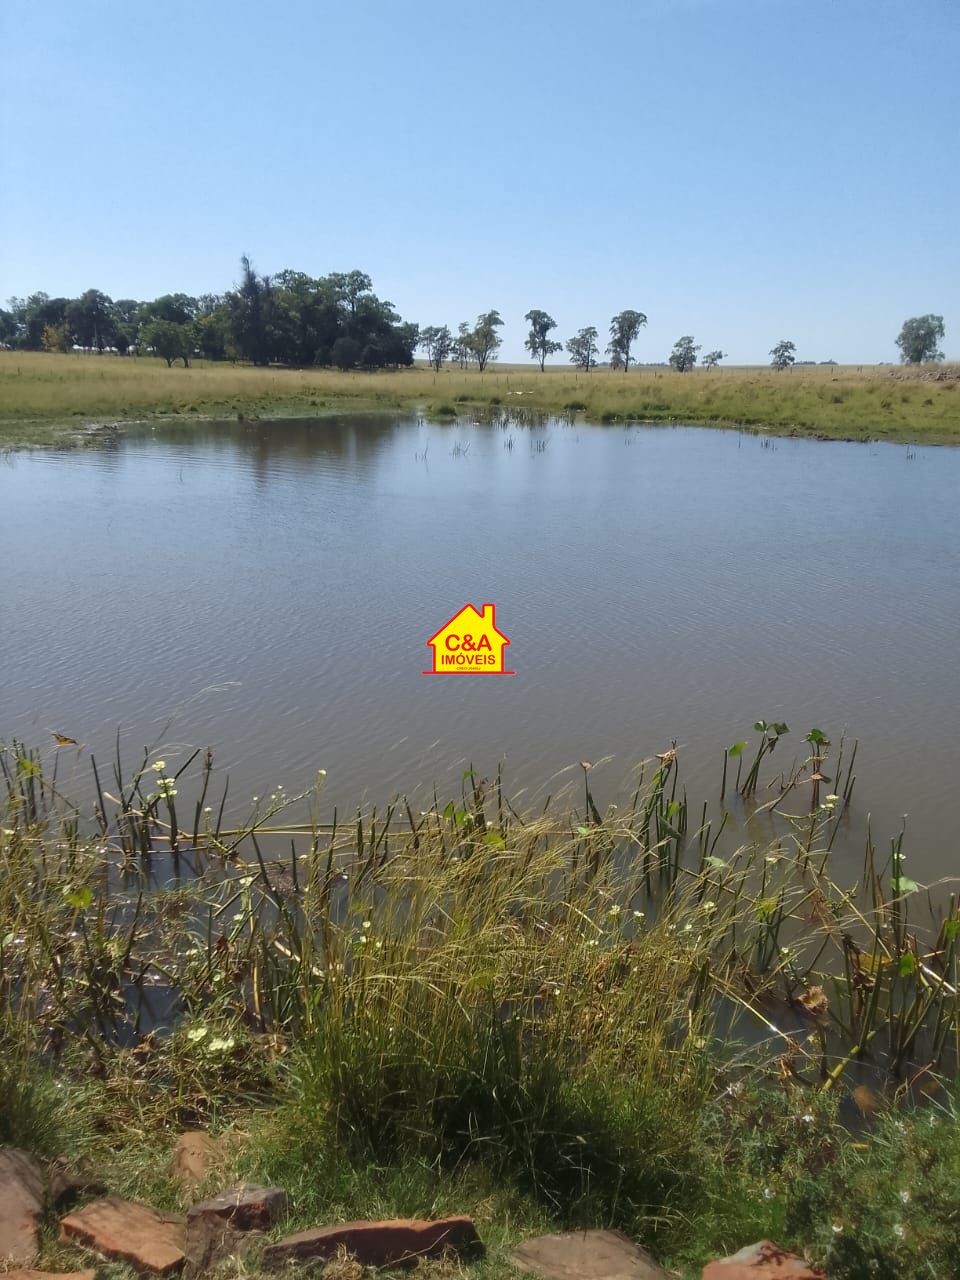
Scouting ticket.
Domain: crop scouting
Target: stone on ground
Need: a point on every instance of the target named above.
(399, 1242)
(211, 1241)
(761, 1261)
(21, 1207)
(130, 1232)
(194, 1155)
(245, 1207)
(586, 1255)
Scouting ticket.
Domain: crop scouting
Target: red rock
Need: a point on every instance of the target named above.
(194, 1155)
(21, 1207)
(586, 1255)
(399, 1242)
(245, 1207)
(761, 1261)
(131, 1232)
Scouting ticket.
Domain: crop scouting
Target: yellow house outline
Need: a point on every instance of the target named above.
(469, 644)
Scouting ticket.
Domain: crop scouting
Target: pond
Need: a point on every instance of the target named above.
(267, 589)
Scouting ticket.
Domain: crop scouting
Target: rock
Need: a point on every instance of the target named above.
(210, 1241)
(399, 1242)
(65, 1187)
(761, 1261)
(29, 1274)
(244, 1207)
(131, 1232)
(194, 1155)
(21, 1207)
(590, 1255)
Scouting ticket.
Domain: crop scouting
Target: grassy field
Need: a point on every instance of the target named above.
(56, 399)
(573, 1018)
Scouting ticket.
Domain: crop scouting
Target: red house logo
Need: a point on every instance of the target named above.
(470, 644)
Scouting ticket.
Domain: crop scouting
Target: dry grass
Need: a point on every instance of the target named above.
(48, 398)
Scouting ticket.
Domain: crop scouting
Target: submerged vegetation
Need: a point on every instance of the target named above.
(57, 398)
(631, 1017)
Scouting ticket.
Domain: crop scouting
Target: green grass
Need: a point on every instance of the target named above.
(558, 1020)
(55, 399)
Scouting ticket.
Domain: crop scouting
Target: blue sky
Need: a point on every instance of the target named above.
(740, 170)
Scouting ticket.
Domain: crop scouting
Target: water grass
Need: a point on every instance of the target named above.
(48, 398)
(564, 1008)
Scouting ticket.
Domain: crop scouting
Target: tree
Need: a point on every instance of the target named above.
(57, 337)
(90, 318)
(250, 312)
(713, 358)
(460, 350)
(537, 342)
(437, 341)
(170, 340)
(782, 353)
(482, 340)
(583, 348)
(346, 353)
(684, 354)
(623, 332)
(919, 338)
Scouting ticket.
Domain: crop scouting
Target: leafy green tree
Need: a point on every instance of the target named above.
(170, 340)
(177, 308)
(436, 340)
(57, 337)
(90, 318)
(684, 354)
(713, 358)
(583, 348)
(125, 319)
(783, 354)
(251, 307)
(624, 329)
(32, 315)
(483, 341)
(460, 351)
(538, 342)
(920, 338)
(346, 352)
(8, 328)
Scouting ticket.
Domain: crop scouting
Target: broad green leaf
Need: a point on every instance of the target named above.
(495, 840)
(903, 885)
(736, 750)
(907, 964)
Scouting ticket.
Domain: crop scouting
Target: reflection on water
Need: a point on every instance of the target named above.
(268, 590)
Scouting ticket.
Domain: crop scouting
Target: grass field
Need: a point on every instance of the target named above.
(55, 399)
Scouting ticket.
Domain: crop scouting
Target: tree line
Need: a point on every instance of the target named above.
(289, 318)
(299, 320)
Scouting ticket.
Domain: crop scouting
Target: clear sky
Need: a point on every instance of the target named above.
(740, 170)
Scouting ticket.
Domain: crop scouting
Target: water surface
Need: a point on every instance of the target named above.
(268, 589)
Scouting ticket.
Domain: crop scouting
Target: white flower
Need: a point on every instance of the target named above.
(807, 1119)
(898, 1230)
(159, 765)
(905, 1197)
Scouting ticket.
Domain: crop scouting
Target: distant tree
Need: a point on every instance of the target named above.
(90, 318)
(482, 340)
(684, 354)
(437, 341)
(212, 334)
(57, 337)
(583, 348)
(250, 306)
(537, 342)
(170, 340)
(919, 339)
(125, 318)
(8, 328)
(713, 358)
(782, 353)
(346, 353)
(460, 351)
(624, 329)
(32, 315)
(177, 308)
